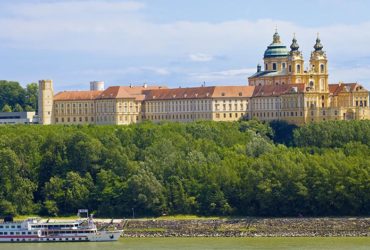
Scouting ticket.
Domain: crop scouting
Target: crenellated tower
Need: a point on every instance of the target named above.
(45, 101)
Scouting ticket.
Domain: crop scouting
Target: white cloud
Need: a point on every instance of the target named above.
(360, 74)
(126, 71)
(118, 28)
(231, 76)
(200, 57)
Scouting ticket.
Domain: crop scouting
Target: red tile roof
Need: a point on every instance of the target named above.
(233, 91)
(335, 89)
(179, 93)
(76, 95)
(135, 92)
(200, 93)
(277, 90)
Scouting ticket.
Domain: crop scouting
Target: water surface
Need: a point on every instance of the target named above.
(205, 244)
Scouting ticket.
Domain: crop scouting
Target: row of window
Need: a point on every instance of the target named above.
(230, 115)
(74, 119)
(18, 233)
(361, 103)
(50, 239)
(286, 114)
(179, 117)
(10, 226)
(230, 107)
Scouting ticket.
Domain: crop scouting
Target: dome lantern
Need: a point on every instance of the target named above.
(318, 46)
(295, 45)
(276, 48)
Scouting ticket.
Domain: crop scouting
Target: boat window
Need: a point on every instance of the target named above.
(18, 226)
(23, 233)
(1, 233)
(17, 233)
(11, 233)
(29, 233)
(1, 226)
(12, 226)
(5, 233)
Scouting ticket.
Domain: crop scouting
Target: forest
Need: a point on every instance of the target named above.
(244, 168)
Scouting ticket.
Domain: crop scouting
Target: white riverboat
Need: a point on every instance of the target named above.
(35, 230)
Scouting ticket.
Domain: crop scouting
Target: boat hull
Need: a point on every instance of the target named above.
(103, 236)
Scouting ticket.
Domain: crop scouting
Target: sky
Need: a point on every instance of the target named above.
(177, 43)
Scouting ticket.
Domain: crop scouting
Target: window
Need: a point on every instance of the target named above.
(290, 68)
(266, 67)
(283, 65)
(322, 68)
(298, 69)
(274, 66)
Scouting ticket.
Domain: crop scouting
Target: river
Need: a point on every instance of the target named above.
(205, 244)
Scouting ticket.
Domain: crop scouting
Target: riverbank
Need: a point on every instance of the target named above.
(247, 227)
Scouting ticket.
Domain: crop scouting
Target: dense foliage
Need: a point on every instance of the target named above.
(204, 168)
(13, 97)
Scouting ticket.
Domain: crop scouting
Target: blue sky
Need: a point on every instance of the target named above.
(174, 43)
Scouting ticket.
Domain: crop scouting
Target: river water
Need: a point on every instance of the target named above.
(205, 244)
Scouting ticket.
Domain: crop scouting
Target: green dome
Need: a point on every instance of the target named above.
(276, 48)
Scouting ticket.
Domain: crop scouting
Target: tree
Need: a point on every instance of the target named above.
(18, 108)
(11, 93)
(6, 108)
(32, 96)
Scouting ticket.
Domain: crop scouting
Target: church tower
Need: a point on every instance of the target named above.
(318, 71)
(45, 101)
(295, 63)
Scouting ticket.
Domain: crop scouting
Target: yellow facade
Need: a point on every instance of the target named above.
(285, 90)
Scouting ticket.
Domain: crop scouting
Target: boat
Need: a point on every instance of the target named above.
(36, 230)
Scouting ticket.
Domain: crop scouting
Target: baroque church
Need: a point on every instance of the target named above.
(285, 90)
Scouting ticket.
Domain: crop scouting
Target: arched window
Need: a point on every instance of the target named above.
(322, 68)
(298, 68)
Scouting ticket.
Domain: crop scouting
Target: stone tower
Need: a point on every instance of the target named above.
(46, 95)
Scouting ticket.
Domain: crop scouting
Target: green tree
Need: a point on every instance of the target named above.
(6, 108)
(32, 96)
(18, 108)
(11, 93)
